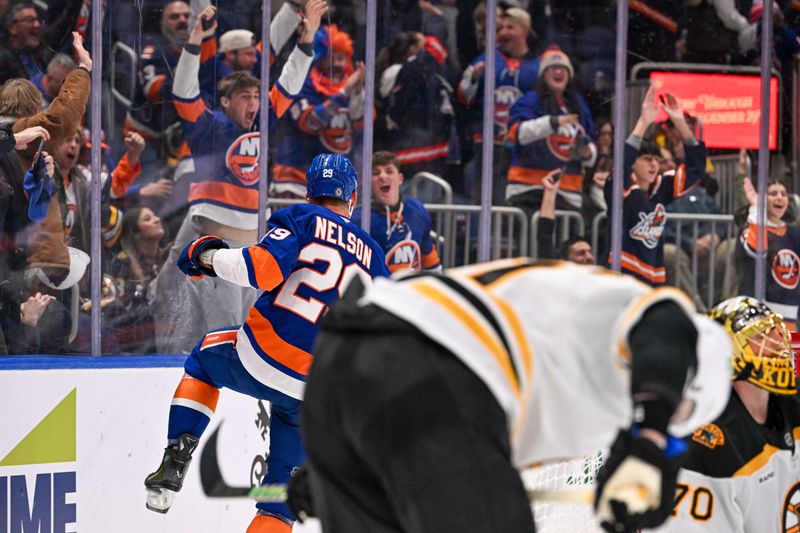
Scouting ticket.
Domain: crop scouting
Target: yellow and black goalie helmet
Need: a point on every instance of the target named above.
(762, 344)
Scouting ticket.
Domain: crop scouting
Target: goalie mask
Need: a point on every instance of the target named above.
(762, 344)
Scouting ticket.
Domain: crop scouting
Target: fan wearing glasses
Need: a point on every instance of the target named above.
(30, 42)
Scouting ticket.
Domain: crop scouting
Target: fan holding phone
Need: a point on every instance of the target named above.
(550, 127)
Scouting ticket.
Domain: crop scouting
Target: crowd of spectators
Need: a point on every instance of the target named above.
(181, 159)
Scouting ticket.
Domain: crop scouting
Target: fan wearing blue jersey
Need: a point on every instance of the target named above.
(516, 71)
(646, 192)
(401, 226)
(307, 257)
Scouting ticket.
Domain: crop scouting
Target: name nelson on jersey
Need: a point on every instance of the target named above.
(333, 233)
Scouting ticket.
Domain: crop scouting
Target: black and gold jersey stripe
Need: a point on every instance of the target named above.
(749, 446)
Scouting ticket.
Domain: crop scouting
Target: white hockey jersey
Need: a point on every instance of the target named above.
(742, 477)
(550, 342)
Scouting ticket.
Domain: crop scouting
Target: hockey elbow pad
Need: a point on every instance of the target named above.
(636, 485)
(189, 260)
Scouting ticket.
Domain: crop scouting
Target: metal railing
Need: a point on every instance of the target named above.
(567, 222)
(429, 179)
(457, 226)
(707, 278)
(726, 168)
(455, 229)
(712, 273)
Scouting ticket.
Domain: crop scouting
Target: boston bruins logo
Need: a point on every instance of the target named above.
(709, 436)
(791, 510)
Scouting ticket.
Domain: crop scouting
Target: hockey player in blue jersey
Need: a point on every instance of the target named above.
(401, 226)
(223, 198)
(302, 264)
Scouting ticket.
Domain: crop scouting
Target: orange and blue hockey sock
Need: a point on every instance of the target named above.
(192, 407)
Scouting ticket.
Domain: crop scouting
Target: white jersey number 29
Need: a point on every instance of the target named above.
(334, 276)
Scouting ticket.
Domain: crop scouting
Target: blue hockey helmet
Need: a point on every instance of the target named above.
(331, 175)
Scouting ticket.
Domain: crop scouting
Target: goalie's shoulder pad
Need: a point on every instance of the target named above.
(733, 445)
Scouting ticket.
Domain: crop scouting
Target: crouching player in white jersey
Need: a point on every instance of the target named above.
(743, 473)
(309, 252)
(428, 395)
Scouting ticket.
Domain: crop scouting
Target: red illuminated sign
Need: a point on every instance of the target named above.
(728, 105)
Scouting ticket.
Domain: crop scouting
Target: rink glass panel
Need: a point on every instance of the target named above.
(584, 31)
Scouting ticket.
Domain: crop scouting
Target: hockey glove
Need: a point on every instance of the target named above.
(189, 260)
(636, 485)
(298, 494)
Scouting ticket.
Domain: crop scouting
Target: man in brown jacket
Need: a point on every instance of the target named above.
(20, 103)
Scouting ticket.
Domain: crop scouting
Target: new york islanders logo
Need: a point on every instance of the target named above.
(504, 98)
(70, 217)
(560, 143)
(650, 227)
(786, 268)
(338, 135)
(709, 436)
(242, 157)
(404, 255)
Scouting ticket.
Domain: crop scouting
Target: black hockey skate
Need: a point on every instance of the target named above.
(168, 479)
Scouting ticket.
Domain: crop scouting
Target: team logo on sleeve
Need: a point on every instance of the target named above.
(786, 268)
(709, 436)
(791, 510)
(650, 227)
(242, 157)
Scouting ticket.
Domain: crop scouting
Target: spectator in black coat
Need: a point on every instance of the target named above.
(19, 312)
(421, 110)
